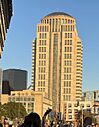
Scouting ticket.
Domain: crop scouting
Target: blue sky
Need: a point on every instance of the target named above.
(28, 13)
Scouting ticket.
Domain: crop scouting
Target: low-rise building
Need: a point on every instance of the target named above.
(91, 95)
(37, 102)
(32, 101)
(72, 108)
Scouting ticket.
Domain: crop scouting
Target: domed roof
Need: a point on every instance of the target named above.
(58, 13)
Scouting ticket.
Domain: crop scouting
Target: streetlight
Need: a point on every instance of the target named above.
(80, 108)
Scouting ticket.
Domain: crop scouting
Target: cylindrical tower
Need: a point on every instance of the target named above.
(59, 59)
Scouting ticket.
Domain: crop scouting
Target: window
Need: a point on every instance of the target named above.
(21, 99)
(44, 56)
(70, 49)
(69, 91)
(70, 42)
(38, 29)
(68, 63)
(68, 21)
(40, 42)
(69, 83)
(65, 21)
(76, 110)
(88, 105)
(67, 76)
(69, 110)
(75, 105)
(40, 56)
(65, 90)
(69, 105)
(62, 21)
(68, 28)
(43, 89)
(39, 49)
(40, 35)
(67, 70)
(25, 99)
(66, 35)
(66, 83)
(67, 56)
(42, 28)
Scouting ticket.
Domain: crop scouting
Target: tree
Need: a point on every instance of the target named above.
(89, 114)
(86, 114)
(13, 110)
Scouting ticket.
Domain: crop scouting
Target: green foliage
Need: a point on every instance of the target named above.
(93, 118)
(13, 110)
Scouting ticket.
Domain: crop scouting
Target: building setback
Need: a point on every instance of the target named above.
(58, 58)
(5, 17)
(17, 78)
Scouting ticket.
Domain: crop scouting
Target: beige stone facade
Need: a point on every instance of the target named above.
(5, 16)
(71, 109)
(32, 101)
(58, 59)
(4, 98)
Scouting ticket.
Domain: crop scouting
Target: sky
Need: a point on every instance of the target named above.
(27, 14)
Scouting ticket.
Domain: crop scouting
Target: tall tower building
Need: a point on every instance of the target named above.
(58, 59)
(5, 17)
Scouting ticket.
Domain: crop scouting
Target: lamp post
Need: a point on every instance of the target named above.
(80, 108)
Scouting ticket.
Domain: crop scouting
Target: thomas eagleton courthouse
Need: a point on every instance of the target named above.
(57, 60)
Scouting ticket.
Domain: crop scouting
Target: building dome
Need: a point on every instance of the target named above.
(58, 13)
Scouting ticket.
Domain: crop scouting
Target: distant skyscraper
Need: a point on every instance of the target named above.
(17, 78)
(1, 75)
(58, 59)
(5, 17)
